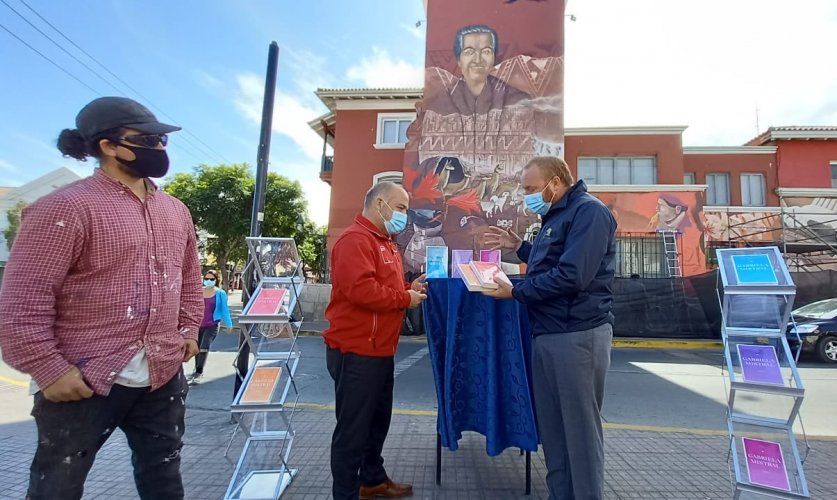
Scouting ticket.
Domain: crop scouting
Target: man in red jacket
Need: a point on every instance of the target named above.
(368, 299)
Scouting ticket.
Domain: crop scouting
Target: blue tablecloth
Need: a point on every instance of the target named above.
(480, 349)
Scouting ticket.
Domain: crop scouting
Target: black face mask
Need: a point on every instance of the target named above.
(148, 162)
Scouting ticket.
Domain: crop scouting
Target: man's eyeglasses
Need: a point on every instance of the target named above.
(145, 140)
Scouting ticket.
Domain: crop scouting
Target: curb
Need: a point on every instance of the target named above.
(628, 343)
(607, 425)
(620, 343)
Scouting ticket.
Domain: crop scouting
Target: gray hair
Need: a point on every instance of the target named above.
(379, 190)
(472, 30)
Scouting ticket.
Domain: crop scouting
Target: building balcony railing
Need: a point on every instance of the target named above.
(327, 164)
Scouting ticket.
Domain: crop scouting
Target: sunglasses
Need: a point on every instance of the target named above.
(145, 140)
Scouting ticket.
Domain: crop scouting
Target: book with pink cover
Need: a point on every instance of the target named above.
(469, 277)
(268, 301)
(490, 256)
(488, 274)
(766, 464)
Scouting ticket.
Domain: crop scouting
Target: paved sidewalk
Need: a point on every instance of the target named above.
(640, 464)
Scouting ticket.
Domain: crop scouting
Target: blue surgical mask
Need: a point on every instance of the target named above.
(536, 204)
(208, 283)
(396, 223)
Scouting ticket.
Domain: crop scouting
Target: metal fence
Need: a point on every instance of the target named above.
(642, 254)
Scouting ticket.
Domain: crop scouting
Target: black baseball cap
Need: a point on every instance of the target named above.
(109, 113)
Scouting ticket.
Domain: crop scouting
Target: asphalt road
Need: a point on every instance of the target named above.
(673, 388)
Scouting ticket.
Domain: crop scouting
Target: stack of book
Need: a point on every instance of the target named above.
(478, 276)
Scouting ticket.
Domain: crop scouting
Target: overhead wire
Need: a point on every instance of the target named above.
(204, 151)
(120, 80)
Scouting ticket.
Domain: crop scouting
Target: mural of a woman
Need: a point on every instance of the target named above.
(476, 128)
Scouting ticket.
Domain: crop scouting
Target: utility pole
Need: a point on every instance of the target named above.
(257, 214)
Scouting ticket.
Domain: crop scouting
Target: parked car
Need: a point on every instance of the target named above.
(816, 324)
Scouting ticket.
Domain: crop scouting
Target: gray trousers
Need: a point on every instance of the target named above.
(568, 372)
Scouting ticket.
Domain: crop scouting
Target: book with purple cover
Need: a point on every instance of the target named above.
(766, 464)
(759, 364)
(490, 256)
(460, 257)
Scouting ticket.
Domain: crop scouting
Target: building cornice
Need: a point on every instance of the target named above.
(729, 150)
(646, 188)
(640, 130)
(331, 97)
(807, 192)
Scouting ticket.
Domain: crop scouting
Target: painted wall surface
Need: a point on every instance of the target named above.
(355, 162)
(493, 99)
(806, 163)
(804, 223)
(639, 213)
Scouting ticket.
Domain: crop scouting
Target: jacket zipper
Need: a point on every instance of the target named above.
(374, 329)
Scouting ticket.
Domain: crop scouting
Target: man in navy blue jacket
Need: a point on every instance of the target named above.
(568, 293)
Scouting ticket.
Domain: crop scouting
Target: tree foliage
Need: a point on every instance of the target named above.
(220, 198)
(13, 216)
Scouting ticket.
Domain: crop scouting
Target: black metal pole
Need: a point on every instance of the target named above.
(257, 214)
(528, 472)
(438, 459)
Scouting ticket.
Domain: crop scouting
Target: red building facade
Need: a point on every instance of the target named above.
(759, 193)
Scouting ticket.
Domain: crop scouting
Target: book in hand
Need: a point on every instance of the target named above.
(766, 464)
(481, 276)
(262, 383)
(759, 364)
(269, 301)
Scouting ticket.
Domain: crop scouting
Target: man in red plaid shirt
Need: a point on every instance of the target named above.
(101, 304)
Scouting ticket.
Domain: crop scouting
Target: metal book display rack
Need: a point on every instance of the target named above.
(756, 294)
(263, 407)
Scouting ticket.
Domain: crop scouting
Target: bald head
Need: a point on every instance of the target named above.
(382, 200)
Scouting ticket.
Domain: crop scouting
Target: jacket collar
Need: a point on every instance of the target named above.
(369, 226)
(576, 190)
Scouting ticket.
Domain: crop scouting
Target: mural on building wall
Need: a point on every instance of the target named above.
(804, 227)
(493, 99)
(648, 213)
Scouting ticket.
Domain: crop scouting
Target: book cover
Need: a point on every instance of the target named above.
(460, 257)
(490, 256)
(766, 464)
(469, 277)
(759, 364)
(436, 262)
(754, 270)
(261, 385)
(489, 273)
(268, 301)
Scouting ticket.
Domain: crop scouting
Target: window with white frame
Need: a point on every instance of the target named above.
(618, 170)
(390, 176)
(688, 178)
(392, 129)
(752, 190)
(834, 174)
(718, 191)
